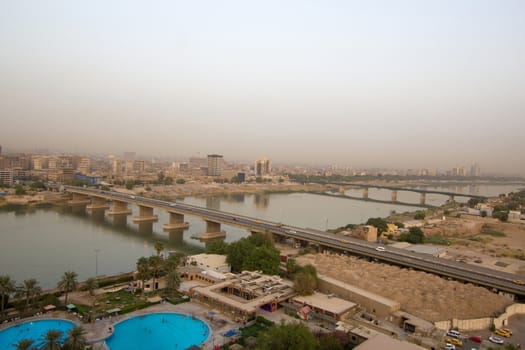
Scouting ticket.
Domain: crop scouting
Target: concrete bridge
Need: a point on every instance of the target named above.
(497, 281)
(395, 189)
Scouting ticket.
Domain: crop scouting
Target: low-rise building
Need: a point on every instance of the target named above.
(241, 295)
(381, 341)
(327, 305)
(214, 262)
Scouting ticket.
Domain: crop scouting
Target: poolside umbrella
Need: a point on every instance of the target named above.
(70, 306)
(49, 307)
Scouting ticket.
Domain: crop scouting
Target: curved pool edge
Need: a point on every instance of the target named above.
(5, 326)
(128, 317)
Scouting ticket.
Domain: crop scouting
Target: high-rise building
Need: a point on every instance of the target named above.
(475, 170)
(117, 167)
(263, 167)
(215, 162)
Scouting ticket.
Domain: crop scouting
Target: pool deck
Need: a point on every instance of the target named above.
(97, 332)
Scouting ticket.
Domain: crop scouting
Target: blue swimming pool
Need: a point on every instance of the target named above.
(158, 331)
(35, 330)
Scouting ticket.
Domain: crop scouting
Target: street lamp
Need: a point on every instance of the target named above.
(96, 261)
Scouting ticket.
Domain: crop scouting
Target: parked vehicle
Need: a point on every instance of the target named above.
(449, 346)
(454, 341)
(453, 333)
(475, 338)
(496, 340)
(502, 333)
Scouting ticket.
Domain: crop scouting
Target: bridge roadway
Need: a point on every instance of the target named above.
(500, 281)
(408, 189)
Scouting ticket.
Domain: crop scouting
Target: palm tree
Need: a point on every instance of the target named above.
(143, 272)
(159, 247)
(172, 280)
(24, 344)
(30, 290)
(52, 340)
(91, 284)
(155, 264)
(68, 283)
(7, 287)
(76, 338)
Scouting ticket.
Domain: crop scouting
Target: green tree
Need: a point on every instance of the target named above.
(155, 263)
(262, 259)
(415, 235)
(19, 190)
(168, 180)
(143, 270)
(91, 285)
(37, 185)
(378, 223)
(304, 283)
(129, 185)
(52, 340)
(419, 215)
(172, 280)
(291, 267)
(76, 338)
(7, 287)
(24, 344)
(29, 289)
(501, 215)
(305, 280)
(287, 336)
(217, 246)
(159, 247)
(68, 283)
(180, 181)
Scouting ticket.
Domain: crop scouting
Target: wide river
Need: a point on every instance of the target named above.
(43, 243)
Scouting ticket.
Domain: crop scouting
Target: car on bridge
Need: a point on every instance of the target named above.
(381, 249)
(518, 282)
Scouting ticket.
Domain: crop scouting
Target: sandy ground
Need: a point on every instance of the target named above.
(421, 294)
(469, 245)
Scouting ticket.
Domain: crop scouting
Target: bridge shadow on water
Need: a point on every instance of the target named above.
(118, 224)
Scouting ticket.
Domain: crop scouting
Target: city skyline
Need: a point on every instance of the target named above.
(384, 84)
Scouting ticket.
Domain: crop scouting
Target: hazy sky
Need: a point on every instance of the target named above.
(361, 83)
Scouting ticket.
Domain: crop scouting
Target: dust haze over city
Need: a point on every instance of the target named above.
(302, 175)
(402, 84)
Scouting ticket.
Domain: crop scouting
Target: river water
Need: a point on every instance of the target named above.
(43, 243)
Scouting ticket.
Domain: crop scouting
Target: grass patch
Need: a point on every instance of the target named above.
(486, 230)
(437, 239)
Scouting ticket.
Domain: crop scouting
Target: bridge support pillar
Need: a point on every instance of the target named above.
(79, 200)
(98, 203)
(365, 193)
(341, 189)
(394, 196)
(145, 215)
(451, 198)
(176, 222)
(213, 230)
(422, 198)
(119, 208)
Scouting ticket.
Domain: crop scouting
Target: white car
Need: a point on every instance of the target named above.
(380, 249)
(449, 346)
(496, 340)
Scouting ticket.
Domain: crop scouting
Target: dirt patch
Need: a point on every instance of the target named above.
(422, 294)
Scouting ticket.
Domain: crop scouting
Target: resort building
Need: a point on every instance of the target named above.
(241, 295)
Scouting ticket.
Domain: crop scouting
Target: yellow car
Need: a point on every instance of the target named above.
(519, 282)
(454, 341)
(506, 330)
(502, 333)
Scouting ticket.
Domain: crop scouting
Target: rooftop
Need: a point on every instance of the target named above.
(325, 302)
(381, 341)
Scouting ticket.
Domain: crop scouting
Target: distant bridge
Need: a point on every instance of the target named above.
(395, 189)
